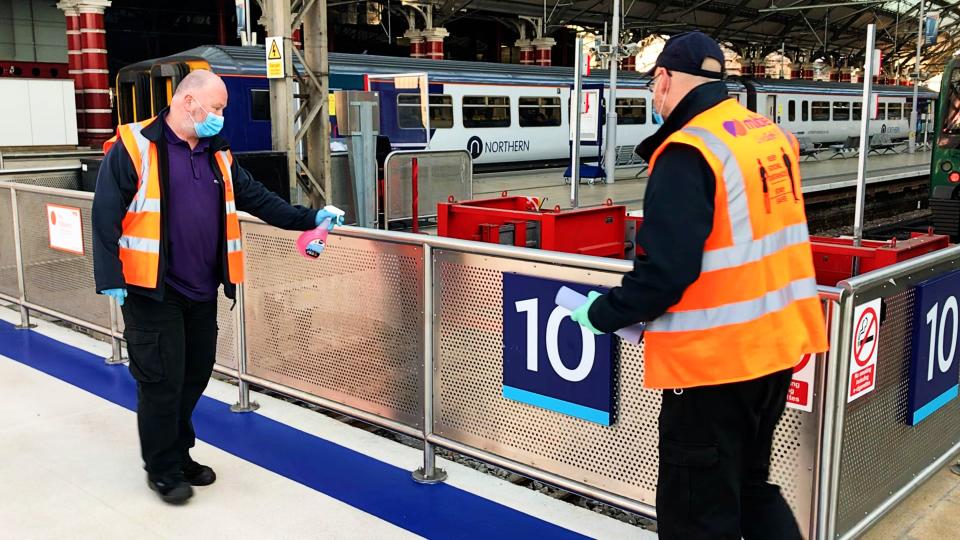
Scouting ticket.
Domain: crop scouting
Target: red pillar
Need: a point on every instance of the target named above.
(544, 46)
(75, 61)
(434, 42)
(416, 43)
(629, 63)
(526, 52)
(98, 113)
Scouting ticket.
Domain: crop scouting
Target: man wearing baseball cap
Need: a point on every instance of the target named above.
(728, 292)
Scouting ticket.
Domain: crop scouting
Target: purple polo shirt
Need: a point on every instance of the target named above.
(193, 219)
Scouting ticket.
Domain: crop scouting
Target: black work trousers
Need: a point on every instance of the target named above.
(172, 347)
(715, 461)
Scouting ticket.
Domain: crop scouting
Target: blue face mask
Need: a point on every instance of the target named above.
(210, 126)
(657, 118)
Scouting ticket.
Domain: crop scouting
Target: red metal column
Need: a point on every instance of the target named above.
(75, 61)
(544, 48)
(526, 52)
(416, 43)
(434, 46)
(96, 77)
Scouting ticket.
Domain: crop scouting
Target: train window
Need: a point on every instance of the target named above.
(907, 110)
(857, 111)
(894, 111)
(539, 111)
(881, 111)
(805, 112)
(631, 111)
(820, 111)
(260, 104)
(408, 111)
(486, 111)
(841, 111)
(791, 111)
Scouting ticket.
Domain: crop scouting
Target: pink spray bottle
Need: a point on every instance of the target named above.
(311, 243)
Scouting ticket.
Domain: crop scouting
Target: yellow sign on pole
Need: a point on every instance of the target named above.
(275, 58)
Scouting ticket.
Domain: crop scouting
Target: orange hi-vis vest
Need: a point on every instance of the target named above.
(140, 239)
(755, 309)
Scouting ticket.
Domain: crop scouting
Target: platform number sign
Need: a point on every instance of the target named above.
(550, 361)
(935, 366)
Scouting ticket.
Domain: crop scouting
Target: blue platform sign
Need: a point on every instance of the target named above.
(549, 360)
(934, 369)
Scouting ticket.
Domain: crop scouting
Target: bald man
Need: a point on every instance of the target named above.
(165, 238)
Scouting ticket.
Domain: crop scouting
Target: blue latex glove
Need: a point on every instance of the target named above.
(116, 294)
(580, 314)
(334, 214)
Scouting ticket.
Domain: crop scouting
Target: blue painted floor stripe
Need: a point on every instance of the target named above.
(377, 488)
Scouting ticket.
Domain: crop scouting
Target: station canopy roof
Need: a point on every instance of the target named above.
(811, 29)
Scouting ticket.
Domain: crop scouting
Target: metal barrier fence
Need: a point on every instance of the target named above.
(350, 332)
(416, 180)
(874, 458)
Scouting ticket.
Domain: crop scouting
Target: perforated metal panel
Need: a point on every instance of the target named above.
(880, 452)
(226, 339)
(69, 179)
(347, 326)
(470, 408)
(55, 279)
(439, 175)
(8, 254)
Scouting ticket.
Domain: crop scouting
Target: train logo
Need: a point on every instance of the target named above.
(475, 147)
(735, 128)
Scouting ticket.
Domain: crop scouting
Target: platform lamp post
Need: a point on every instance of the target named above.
(912, 134)
(868, 70)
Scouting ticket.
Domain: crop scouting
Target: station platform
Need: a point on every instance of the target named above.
(69, 460)
(818, 175)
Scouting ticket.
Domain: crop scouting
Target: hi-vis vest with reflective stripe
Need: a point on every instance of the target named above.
(754, 310)
(140, 240)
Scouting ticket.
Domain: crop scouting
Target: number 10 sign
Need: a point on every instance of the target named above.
(935, 369)
(550, 361)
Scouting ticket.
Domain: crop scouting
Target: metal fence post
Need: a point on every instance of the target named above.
(244, 404)
(18, 250)
(429, 473)
(116, 355)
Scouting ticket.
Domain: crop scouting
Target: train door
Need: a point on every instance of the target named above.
(772, 112)
(165, 78)
(404, 108)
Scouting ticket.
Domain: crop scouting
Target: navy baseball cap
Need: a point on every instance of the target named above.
(686, 52)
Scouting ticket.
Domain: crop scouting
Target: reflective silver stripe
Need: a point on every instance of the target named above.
(226, 159)
(233, 246)
(140, 244)
(740, 254)
(737, 205)
(231, 207)
(735, 313)
(144, 205)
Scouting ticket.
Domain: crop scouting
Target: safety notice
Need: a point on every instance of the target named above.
(65, 227)
(275, 58)
(800, 393)
(863, 353)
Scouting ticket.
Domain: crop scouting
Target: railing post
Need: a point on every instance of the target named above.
(116, 355)
(429, 473)
(18, 250)
(244, 404)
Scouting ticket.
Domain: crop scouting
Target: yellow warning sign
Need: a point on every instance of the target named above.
(275, 58)
(274, 53)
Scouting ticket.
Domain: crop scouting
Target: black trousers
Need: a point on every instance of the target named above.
(715, 461)
(172, 347)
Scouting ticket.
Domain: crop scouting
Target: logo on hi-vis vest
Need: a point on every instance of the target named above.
(739, 129)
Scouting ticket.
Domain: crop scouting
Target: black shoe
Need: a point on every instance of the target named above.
(198, 475)
(172, 489)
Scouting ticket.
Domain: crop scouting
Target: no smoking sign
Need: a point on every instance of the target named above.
(863, 356)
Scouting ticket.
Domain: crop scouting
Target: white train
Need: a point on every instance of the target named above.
(506, 115)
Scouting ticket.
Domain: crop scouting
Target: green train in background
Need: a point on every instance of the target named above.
(945, 165)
